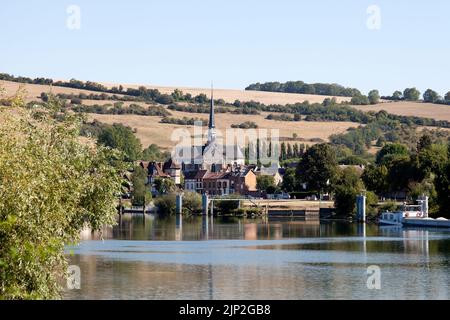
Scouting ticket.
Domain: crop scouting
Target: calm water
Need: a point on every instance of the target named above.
(204, 258)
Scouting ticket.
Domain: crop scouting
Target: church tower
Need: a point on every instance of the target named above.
(211, 125)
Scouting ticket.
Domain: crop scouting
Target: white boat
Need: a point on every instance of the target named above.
(397, 218)
(413, 215)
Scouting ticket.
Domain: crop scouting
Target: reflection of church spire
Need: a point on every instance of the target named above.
(211, 125)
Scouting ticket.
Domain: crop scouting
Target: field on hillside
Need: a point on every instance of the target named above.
(406, 108)
(230, 95)
(150, 130)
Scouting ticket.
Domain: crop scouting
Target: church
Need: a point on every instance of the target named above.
(214, 156)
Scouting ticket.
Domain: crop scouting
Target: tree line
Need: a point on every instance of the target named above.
(305, 88)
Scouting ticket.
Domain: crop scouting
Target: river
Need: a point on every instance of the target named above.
(230, 258)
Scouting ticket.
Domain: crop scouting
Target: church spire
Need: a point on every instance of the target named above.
(212, 124)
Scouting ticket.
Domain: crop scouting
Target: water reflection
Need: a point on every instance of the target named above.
(229, 258)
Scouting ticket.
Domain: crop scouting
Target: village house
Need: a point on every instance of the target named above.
(274, 171)
(243, 181)
(217, 183)
(164, 170)
(193, 180)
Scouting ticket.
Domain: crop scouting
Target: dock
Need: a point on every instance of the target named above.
(426, 222)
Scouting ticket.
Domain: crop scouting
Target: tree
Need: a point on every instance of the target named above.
(390, 151)
(447, 97)
(374, 96)
(140, 192)
(318, 167)
(375, 179)
(263, 183)
(442, 185)
(283, 155)
(360, 100)
(397, 95)
(411, 94)
(52, 186)
(123, 139)
(192, 202)
(347, 186)
(164, 185)
(431, 96)
(289, 183)
(166, 204)
(154, 153)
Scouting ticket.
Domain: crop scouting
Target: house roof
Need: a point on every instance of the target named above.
(154, 169)
(190, 175)
(171, 164)
(216, 175)
(200, 174)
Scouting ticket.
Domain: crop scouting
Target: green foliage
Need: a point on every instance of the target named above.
(165, 185)
(411, 94)
(289, 181)
(346, 187)
(360, 99)
(192, 202)
(263, 183)
(140, 193)
(431, 96)
(245, 125)
(376, 178)
(318, 167)
(166, 204)
(391, 151)
(305, 88)
(353, 161)
(374, 96)
(119, 109)
(154, 153)
(389, 206)
(184, 121)
(121, 138)
(371, 204)
(51, 187)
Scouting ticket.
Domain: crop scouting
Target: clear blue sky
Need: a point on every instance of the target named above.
(234, 42)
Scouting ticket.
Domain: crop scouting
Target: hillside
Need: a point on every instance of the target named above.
(407, 108)
(150, 130)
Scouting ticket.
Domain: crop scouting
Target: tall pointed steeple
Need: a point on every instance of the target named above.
(212, 124)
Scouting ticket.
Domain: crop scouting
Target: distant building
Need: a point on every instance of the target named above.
(243, 181)
(213, 156)
(274, 171)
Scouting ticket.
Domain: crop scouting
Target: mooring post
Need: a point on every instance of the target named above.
(423, 200)
(143, 207)
(212, 208)
(205, 201)
(179, 204)
(361, 208)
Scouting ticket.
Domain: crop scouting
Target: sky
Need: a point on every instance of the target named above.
(380, 44)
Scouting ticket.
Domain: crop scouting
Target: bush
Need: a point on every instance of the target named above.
(192, 202)
(166, 204)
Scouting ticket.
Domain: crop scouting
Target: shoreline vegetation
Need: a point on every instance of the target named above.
(52, 185)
